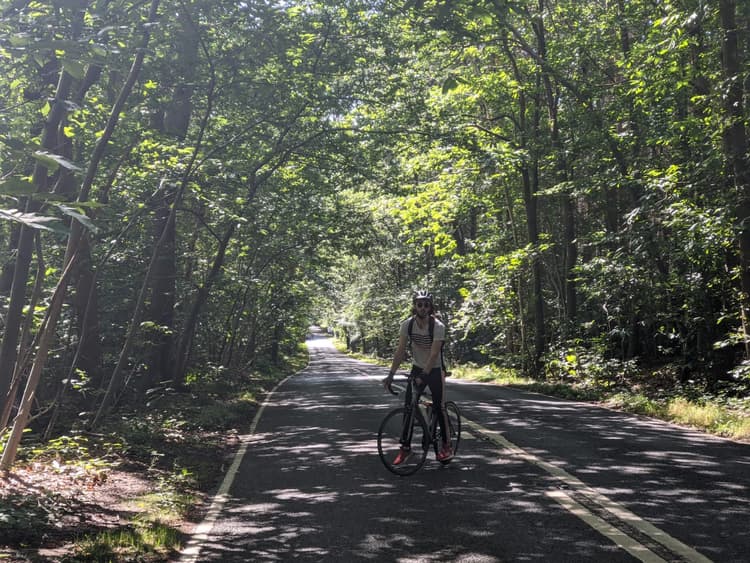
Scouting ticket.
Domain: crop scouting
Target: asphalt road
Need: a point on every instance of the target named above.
(536, 479)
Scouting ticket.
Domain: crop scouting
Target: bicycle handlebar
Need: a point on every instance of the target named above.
(387, 385)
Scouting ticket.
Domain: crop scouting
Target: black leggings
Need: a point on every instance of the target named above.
(436, 383)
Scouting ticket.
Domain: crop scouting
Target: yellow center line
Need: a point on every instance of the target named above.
(674, 545)
(620, 538)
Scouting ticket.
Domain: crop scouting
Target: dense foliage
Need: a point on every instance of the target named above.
(186, 185)
(569, 184)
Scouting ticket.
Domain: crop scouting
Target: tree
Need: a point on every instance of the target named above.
(736, 147)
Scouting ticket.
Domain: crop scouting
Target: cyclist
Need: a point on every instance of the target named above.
(425, 334)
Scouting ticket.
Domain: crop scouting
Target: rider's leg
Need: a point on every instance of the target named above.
(436, 383)
(407, 432)
(407, 428)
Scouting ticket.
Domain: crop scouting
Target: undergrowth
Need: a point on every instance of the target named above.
(177, 443)
(142, 540)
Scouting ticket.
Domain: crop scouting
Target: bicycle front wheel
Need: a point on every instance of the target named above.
(454, 423)
(389, 442)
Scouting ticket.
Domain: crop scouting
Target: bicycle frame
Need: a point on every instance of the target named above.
(421, 406)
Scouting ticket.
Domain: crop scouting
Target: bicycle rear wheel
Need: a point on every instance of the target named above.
(454, 427)
(389, 442)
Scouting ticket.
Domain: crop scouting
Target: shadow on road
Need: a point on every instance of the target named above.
(312, 487)
(694, 486)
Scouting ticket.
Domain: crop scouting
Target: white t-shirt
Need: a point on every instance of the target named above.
(420, 340)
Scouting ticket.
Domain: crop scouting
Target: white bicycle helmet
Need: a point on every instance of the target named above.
(422, 295)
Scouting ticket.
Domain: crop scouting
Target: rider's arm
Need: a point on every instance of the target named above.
(398, 356)
(434, 359)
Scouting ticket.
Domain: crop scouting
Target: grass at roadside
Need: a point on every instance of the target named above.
(707, 413)
(142, 541)
(704, 415)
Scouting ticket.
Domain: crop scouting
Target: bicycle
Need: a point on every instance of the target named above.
(424, 434)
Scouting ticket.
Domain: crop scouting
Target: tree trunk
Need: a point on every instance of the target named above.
(46, 332)
(6, 276)
(162, 292)
(233, 323)
(530, 185)
(188, 329)
(86, 303)
(162, 299)
(570, 250)
(25, 346)
(530, 189)
(736, 148)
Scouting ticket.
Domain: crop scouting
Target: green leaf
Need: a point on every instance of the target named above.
(33, 220)
(52, 161)
(76, 69)
(78, 216)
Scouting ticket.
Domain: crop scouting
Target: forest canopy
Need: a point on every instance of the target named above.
(185, 186)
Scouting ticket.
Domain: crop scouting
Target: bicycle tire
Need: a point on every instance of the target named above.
(389, 442)
(454, 426)
(454, 420)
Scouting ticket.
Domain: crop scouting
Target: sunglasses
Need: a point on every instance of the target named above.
(421, 304)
